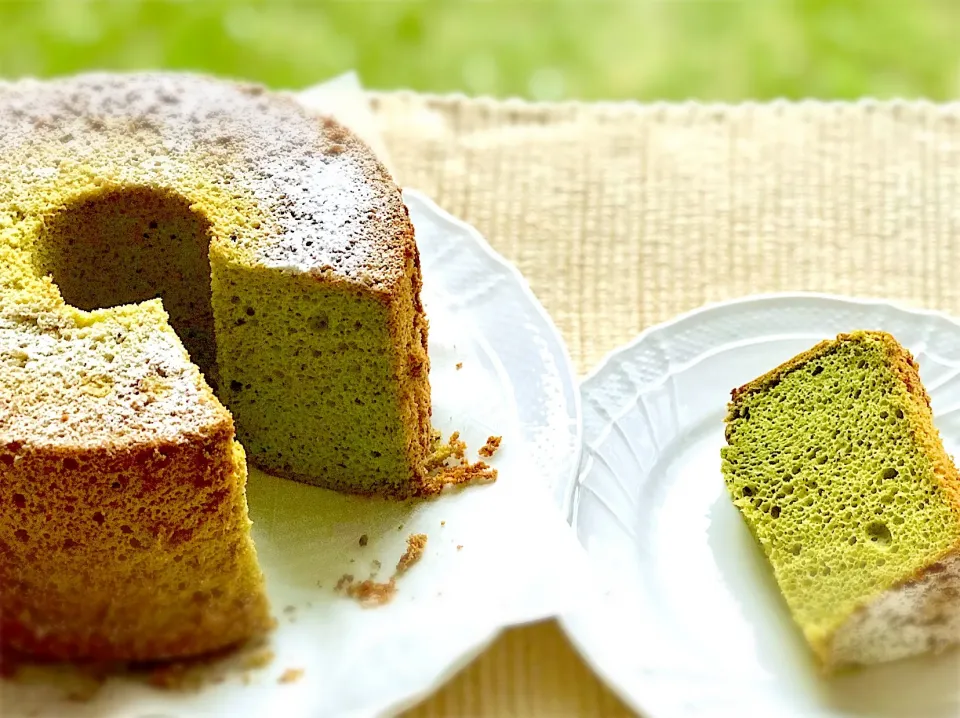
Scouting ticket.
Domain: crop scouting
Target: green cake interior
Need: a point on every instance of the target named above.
(827, 471)
(317, 362)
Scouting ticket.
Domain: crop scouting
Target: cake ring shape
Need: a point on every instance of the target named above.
(142, 217)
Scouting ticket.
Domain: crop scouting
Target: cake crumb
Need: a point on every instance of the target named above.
(443, 523)
(371, 593)
(364, 539)
(448, 466)
(291, 675)
(459, 546)
(454, 448)
(459, 365)
(416, 543)
(490, 448)
(479, 472)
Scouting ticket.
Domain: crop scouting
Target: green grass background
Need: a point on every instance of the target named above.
(589, 49)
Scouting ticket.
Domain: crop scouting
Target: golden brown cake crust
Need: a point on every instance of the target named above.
(140, 553)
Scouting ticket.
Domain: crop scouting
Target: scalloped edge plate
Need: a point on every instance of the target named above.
(515, 565)
(687, 620)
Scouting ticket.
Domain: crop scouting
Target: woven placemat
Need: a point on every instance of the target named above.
(621, 216)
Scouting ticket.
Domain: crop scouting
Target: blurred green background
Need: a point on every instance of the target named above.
(671, 49)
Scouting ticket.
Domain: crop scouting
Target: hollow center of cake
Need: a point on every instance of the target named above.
(133, 244)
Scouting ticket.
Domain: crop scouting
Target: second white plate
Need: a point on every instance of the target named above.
(688, 621)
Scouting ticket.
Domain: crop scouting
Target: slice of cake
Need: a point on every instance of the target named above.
(841, 476)
(124, 532)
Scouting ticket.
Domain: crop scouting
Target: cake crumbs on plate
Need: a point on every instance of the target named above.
(459, 547)
(448, 466)
(454, 448)
(490, 448)
(459, 365)
(371, 593)
(443, 523)
(461, 475)
(291, 675)
(416, 543)
(364, 539)
(368, 593)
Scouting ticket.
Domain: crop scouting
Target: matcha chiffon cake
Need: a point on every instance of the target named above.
(184, 263)
(837, 469)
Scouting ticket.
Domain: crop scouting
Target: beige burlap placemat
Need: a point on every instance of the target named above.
(621, 216)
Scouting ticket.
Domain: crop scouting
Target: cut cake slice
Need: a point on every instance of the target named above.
(836, 467)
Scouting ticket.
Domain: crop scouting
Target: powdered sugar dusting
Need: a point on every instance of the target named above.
(904, 621)
(324, 226)
(333, 207)
(67, 376)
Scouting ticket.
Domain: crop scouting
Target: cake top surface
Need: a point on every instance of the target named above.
(290, 190)
(835, 464)
(103, 379)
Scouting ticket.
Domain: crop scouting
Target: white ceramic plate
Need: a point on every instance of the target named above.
(689, 621)
(516, 381)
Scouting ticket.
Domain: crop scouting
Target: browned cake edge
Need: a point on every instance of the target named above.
(134, 553)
